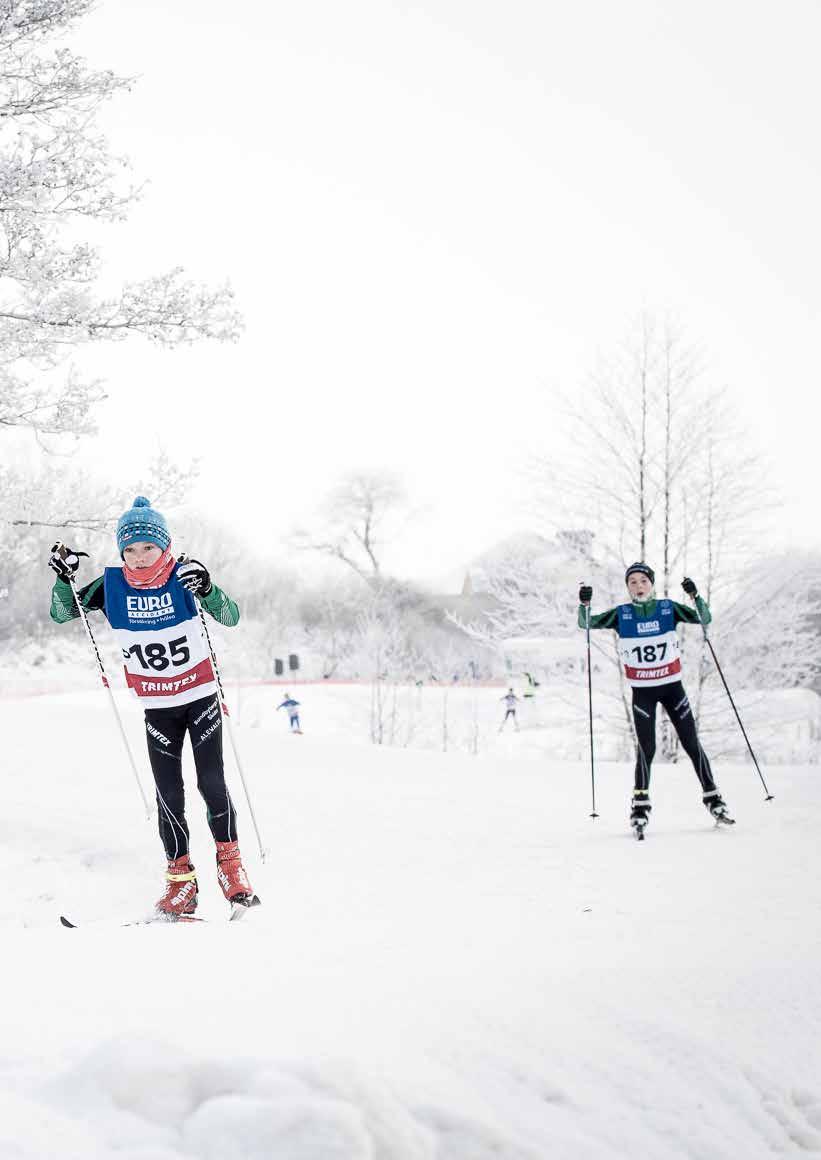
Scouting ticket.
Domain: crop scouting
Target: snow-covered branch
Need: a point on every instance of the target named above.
(56, 170)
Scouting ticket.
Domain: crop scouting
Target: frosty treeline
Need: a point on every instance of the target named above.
(422, 659)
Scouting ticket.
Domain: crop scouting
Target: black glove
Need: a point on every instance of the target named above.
(194, 576)
(585, 594)
(689, 586)
(65, 561)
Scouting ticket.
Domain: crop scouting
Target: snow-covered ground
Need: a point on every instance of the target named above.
(453, 960)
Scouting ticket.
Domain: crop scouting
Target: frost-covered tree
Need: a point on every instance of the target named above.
(531, 624)
(766, 640)
(71, 504)
(330, 620)
(355, 522)
(635, 432)
(58, 175)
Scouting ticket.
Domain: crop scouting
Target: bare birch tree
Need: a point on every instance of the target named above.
(661, 470)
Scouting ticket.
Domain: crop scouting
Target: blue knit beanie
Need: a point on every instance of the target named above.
(141, 524)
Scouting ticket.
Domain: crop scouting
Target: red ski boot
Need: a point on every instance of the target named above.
(181, 890)
(231, 874)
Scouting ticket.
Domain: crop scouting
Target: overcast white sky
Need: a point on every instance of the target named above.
(435, 213)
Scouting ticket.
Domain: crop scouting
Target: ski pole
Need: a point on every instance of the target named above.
(769, 796)
(590, 707)
(61, 548)
(227, 718)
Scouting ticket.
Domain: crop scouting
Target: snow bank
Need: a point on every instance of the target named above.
(145, 1099)
(666, 1094)
(452, 960)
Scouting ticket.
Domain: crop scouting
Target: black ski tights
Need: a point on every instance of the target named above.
(165, 732)
(674, 699)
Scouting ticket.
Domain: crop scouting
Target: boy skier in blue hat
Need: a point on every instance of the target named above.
(649, 652)
(149, 601)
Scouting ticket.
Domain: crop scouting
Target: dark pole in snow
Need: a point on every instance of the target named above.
(769, 796)
(61, 549)
(590, 708)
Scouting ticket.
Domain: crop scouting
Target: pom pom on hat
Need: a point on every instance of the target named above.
(141, 524)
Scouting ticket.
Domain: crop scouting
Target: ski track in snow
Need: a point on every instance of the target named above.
(452, 960)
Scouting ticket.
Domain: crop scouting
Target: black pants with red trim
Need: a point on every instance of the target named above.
(165, 733)
(676, 703)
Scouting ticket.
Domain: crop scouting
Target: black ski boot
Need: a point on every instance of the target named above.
(718, 808)
(640, 812)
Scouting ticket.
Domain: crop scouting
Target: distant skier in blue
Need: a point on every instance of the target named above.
(293, 712)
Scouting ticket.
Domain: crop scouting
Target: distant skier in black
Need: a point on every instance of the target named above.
(649, 651)
(511, 701)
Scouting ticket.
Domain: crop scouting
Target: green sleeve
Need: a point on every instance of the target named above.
(63, 605)
(686, 615)
(220, 606)
(609, 619)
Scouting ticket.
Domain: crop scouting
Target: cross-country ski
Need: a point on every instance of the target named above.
(237, 911)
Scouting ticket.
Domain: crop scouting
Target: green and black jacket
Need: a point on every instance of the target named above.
(645, 609)
(92, 598)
